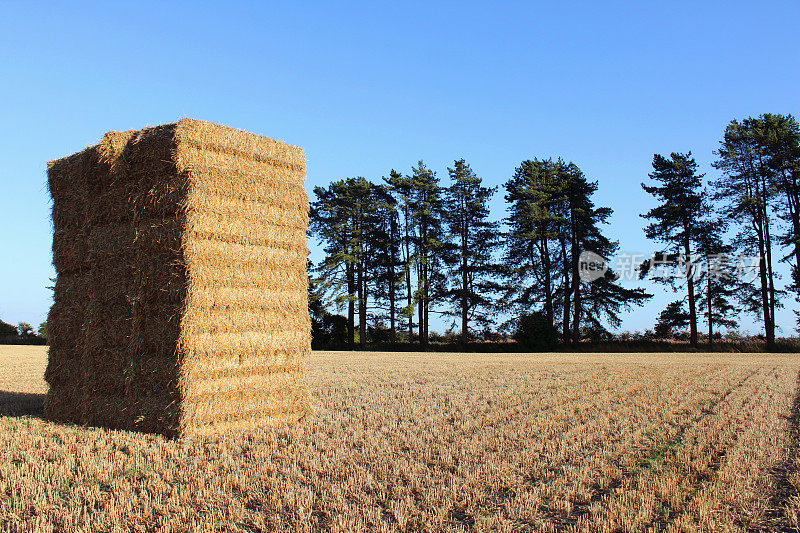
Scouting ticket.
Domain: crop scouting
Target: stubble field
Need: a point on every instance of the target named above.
(508, 442)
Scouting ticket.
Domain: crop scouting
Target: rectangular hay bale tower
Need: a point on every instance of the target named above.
(181, 300)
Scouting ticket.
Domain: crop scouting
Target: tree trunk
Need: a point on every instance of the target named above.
(765, 251)
(362, 306)
(762, 274)
(576, 298)
(770, 279)
(426, 299)
(567, 292)
(794, 214)
(392, 281)
(464, 286)
(548, 283)
(392, 330)
(351, 306)
(407, 261)
(793, 201)
(423, 339)
(689, 272)
(422, 252)
(576, 283)
(709, 305)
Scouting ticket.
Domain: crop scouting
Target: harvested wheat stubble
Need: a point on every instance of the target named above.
(181, 297)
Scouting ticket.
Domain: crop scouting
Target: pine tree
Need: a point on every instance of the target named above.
(673, 317)
(387, 243)
(330, 223)
(717, 282)
(678, 220)
(531, 257)
(473, 239)
(747, 190)
(552, 219)
(782, 142)
(599, 301)
(361, 194)
(426, 208)
(344, 217)
(400, 188)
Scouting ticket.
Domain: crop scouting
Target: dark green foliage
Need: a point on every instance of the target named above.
(530, 250)
(535, 332)
(7, 330)
(748, 158)
(402, 250)
(329, 331)
(389, 271)
(329, 222)
(782, 139)
(671, 320)
(426, 211)
(345, 218)
(469, 254)
(678, 221)
(399, 187)
(717, 282)
(552, 219)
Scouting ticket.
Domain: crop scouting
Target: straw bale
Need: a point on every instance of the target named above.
(65, 402)
(181, 298)
(70, 253)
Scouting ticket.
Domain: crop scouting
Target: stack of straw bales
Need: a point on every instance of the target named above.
(181, 297)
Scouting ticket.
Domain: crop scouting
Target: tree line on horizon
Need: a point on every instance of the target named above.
(407, 247)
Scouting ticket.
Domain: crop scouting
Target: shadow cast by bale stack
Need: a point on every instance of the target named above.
(21, 404)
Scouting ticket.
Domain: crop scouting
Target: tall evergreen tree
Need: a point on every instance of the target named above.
(400, 188)
(426, 214)
(678, 220)
(330, 222)
(747, 190)
(474, 238)
(344, 217)
(601, 300)
(363, 201)
(530, 256)
(782, 142)
(387, 243)
(718, 290)
(717, 282)
(552, 219)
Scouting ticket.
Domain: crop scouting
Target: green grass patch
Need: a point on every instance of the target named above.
(657, 455)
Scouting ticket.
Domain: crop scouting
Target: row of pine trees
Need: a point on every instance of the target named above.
(398, 251)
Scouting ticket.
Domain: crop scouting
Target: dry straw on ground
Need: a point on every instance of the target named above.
(181, 297)
(436, 442)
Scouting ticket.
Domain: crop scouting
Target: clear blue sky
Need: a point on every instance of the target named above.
(365, 88)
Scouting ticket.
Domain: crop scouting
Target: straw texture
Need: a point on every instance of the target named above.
(181, 297)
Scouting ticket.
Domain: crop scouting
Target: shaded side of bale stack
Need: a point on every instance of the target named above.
(71, 181)
(246, 333)
(121, 283)
(181, 296)
(138, 284)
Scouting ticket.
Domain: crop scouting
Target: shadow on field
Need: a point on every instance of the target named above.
(776, 517)
(21, 404)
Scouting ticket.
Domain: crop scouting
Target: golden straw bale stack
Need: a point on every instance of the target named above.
(181, 303)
